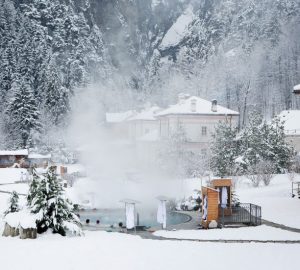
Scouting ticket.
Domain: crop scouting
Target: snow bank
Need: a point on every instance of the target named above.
(178, 30)
(248, 233)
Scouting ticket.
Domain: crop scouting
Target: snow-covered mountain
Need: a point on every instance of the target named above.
(243, 53)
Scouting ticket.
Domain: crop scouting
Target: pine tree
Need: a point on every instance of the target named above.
(23, 122)
(13, 204)
(48, 201)
(224, 150)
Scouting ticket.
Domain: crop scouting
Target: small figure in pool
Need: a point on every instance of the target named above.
(121, 226)
(97, 221)
(87, 221)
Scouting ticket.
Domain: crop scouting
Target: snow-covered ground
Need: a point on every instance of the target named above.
(11, 175)
(276, 200)
(263, 233)
(101, 250)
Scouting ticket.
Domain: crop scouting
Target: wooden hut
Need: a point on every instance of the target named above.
(210, 198)
(220, 184)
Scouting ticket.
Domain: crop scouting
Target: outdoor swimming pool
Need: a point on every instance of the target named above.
(114, 216)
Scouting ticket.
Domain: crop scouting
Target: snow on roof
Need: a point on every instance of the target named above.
(202, 106)
(147, 114)
(297, 87)
(178, 30)
(20, 152)
(292, 121)
(38, 156)
(119, 117)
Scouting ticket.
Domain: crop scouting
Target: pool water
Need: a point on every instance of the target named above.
(114, 216)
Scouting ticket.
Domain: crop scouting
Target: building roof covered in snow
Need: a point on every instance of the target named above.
(38, 156)
(292, 121)
(297, 87)
(21, 152)
(195, 106)
(119, 116)
(148, 114)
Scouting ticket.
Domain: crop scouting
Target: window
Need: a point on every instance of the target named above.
(204, 131)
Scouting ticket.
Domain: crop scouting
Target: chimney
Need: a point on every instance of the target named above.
(193, 105)
(214, 104)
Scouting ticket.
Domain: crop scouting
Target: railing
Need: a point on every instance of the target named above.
(244, 213)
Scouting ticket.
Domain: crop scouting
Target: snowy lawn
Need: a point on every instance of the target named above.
(11, 175)
(276, 201)
(113, 251)
(248, 233)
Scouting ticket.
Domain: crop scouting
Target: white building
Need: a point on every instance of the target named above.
(197, 117)
(291, 120)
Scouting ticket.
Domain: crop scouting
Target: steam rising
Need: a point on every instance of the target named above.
(114, 170)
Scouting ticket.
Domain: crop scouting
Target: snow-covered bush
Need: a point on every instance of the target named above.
(47, 200)
(13, 203)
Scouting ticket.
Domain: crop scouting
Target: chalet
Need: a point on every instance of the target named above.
(198, 118)
(17, 158)
(291, 120)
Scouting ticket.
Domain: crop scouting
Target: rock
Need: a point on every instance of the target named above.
(213, 224)
(29, 233)
(10, 231)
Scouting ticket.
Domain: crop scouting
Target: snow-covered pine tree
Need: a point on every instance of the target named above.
(13, 203)
(277, 150)
(23, 114)
(224, 149)
(55, 211)
(33, 187)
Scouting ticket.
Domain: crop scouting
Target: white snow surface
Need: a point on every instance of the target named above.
(292, 121)
(202, 107)
(20, 152)
(11, 175)
(178, 30)
(22, 218)
(114, 251)
(262, 232)
(297, 87)
(276, 200)
(119, 116)
(147, 114)
(38, 156)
